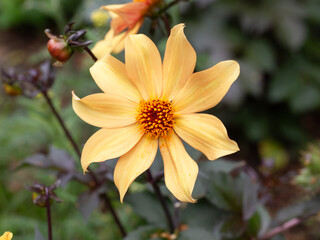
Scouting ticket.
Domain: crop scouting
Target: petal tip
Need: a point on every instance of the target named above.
(74, 96)
(84, 167)
(178, 27)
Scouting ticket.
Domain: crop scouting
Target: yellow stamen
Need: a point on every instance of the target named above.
(156, 117)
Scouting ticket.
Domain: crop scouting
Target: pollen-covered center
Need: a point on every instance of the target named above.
(156, 117)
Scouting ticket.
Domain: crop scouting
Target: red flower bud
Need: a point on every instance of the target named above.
(59, 49)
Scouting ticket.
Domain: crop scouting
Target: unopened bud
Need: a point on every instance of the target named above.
(59, 50)
(38, 199)
(12, 90)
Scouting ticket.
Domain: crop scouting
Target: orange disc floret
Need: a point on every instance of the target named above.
(156, 117)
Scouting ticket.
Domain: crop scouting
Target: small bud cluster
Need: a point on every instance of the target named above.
(30, 83)
(62, 47)
(43, 195)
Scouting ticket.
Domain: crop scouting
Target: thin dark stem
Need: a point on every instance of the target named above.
(166, 24)
(48, 207)
(114, 214)
(67, 133)
(162, 200)
(171, 4)
(286, 226)
(94, 58)
(58, 117)
(75, 147)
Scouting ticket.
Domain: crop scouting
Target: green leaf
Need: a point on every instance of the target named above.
(261, 55)
(196, 233)
(300, 209)
(142, 233)
(306, 99)
(233, 226)
(202, 215)
(207, 168)
(222, 192)
(259, 222)
(148, 207)
(219, 165)
(238, 195)
(291, 31)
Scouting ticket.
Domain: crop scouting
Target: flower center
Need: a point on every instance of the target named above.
(156, 117)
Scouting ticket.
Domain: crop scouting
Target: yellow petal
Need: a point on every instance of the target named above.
(179, 62)
(105, 110)
(133, 163)
(112, 7)
(180, 171)
(107, 144)
(143, 64)
(101, 48)
(126, 16)
(6, 236)
(205, 89)
(110, 75)
(114, 43)
(119, 40)
(205, 133)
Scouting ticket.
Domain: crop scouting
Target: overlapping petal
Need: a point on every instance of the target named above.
(205, 89)
(134, 162)
(143, 65)
(179, 62)
(113, 43)
(180, 170)
(126, 15)
(6, 236)
(107, 144)
(205, 133)
(110, 75)
(105, 110)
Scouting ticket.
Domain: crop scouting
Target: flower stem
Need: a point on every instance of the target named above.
(76, 149)
(162, 200)
(166, 23)
(285, 226)
(114, 214)
(171, 4)
(58, 117)
(94, 58)
(48, 207)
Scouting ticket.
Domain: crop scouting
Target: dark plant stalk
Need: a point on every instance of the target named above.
(94, 58)
(171, 5)
(48, 207)
(75, 147)
(61, 122)
(114, 214)
(162, 200)
(285, 226)
(166, 24)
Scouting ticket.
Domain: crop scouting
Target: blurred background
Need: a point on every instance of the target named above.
(272, 110)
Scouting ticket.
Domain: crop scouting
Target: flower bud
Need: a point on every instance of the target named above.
(59, 50)
(39, 199)
(12, 90)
